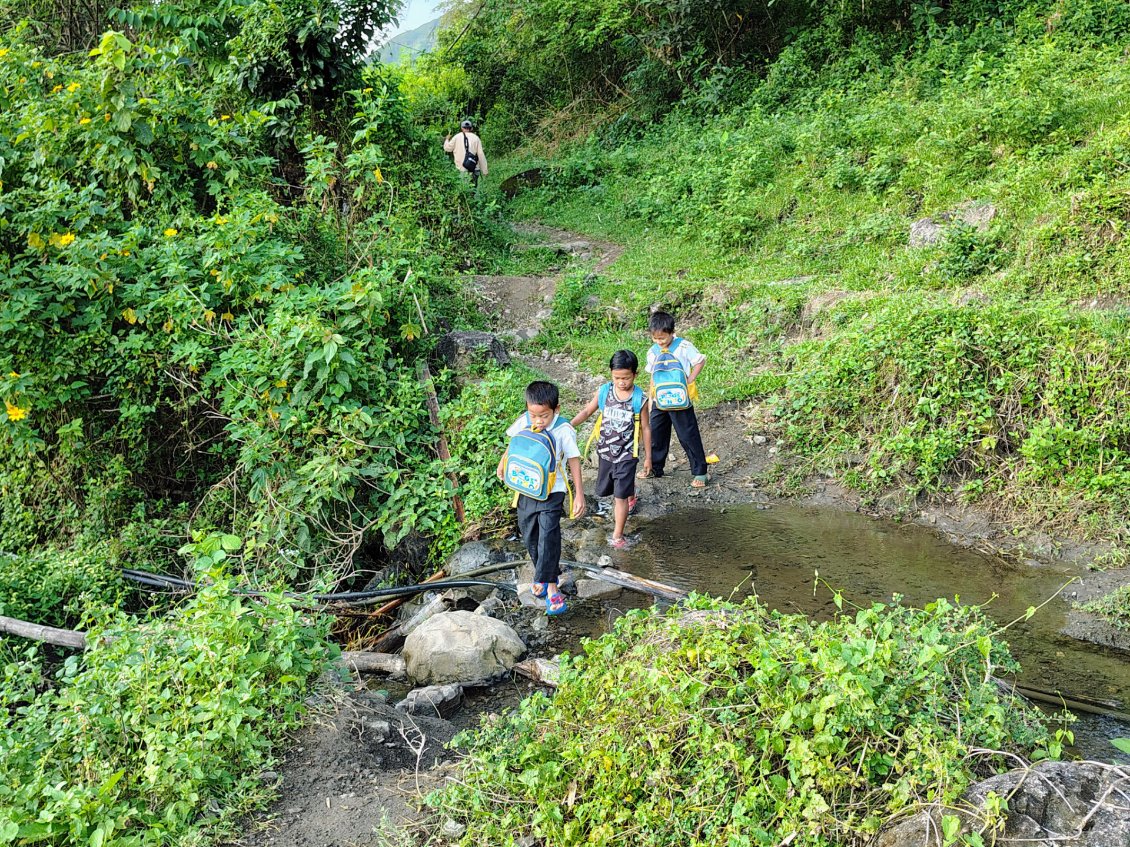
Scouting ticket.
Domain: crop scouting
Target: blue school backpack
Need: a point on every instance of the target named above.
(532, 461)
(669, 388)
(637, 406)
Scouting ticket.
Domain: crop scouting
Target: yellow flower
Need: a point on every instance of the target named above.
(214, 272)
(3, 52)
(168, 325)
(57, 88)
(73, 87)
(49, 74)
(225, 117)
(220, 220)
(211, 166)
(170, 232)
(14, 375)
(377, 173)
(227, 316)
(84, 121)
(61, 241)
(130, 316)
(280, 384)
(35, 241)
(209, 315)
(15, 413)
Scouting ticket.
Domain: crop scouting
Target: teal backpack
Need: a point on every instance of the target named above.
(532, 461)
(637, 407)
(669, 389)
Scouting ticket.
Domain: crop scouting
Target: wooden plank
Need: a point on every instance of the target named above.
(627, 580)
(46, 634)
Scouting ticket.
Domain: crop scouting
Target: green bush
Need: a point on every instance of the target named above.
(717, 723)
(155, 721)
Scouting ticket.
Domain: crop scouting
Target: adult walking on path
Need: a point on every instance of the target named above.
(467, 150)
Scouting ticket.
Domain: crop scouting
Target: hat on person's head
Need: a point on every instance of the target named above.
(466, 125)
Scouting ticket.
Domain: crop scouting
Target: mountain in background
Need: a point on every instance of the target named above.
(411, 43)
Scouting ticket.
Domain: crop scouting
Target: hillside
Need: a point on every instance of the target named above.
(905, 243)
(409, 44)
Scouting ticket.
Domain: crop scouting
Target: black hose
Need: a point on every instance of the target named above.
(351, 597)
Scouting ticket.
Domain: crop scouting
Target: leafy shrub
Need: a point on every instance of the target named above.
(154, 721)
(718, 723)
(61, 587)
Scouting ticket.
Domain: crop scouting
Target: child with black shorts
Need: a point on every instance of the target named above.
(623, 425)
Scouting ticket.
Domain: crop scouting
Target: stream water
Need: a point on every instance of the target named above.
(776, 553)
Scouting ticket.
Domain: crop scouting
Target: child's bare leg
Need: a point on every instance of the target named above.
(620, 516)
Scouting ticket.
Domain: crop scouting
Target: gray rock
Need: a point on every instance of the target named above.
(460, 349)
(461, 647)
(925, 232)
(1083, 804)
(452, 830)
(597, 589)
(759, 440)
(434, 700)
(975, 213)
(469, 557)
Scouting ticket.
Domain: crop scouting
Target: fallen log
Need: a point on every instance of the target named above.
(365, 662)
(627, 580)
(47, 634)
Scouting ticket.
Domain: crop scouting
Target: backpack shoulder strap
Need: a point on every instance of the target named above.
(637, 400)
(675, 342)
(656, 349)
(602, 395)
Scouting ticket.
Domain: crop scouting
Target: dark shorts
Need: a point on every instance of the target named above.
(616, 478)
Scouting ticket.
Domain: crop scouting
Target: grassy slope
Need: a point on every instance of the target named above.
(994, 363)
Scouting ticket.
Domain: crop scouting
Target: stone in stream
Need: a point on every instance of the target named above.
(461, 647)
(1082, 804)
(434, 700)
(597, 589)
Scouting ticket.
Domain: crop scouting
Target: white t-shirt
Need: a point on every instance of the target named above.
(686, 353)
(566, 438)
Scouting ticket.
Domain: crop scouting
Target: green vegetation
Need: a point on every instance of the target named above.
(157, 721)
(226, 243)
(769, 205)
(728, 724)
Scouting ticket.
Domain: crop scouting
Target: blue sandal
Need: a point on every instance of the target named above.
(555, 604)
(537, 589)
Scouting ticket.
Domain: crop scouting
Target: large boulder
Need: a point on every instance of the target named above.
(461, 349)
(1082, 804)
(461, 647)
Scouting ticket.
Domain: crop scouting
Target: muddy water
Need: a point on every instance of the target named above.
(776, 553)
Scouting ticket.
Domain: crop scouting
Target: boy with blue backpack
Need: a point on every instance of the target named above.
(622, 424)
(674, 364)
(542, 446)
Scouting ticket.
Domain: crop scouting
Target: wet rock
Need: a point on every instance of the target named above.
(461, 647)
(434, 700)
(460, 349)
(1079, 803)
(597, 589)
